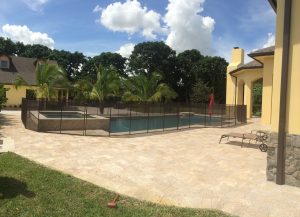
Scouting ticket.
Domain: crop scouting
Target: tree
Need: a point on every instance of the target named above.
(3, 98)
(7, 46)
(72, 63)
(150, 57)
(185, 62)
(212, 71)
(49, 78)
(107, 59)
(36, 51)
(200, 92)
(20, 48)
(143, 88)
(257, 97)
(107, 83)
(82, 90)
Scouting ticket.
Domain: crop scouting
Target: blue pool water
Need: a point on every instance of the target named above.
(118, 125)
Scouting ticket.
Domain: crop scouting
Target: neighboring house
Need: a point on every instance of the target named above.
(10, 68)
(279, 69)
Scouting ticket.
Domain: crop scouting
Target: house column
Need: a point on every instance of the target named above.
(248, 98)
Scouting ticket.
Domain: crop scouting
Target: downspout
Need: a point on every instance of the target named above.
(280, 174)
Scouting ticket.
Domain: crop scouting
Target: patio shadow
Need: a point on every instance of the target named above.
(11, 188)
(243, 145)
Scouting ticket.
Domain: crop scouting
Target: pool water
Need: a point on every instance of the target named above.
(64, 114)
(118, 125)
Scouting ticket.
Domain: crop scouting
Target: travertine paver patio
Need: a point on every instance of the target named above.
(183, 168)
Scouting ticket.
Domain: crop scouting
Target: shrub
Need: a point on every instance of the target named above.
(3, 98)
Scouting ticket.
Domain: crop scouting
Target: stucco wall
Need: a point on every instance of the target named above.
(293, 100)
(293, 111)
(236, 61)
(248, 77)
(15, 96)
(266, 110)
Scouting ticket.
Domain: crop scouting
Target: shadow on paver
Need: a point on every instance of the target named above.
(243, 145)
(7, 120)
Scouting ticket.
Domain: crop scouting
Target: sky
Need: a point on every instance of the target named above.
(94, 26)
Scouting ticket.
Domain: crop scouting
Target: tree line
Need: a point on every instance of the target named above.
(153, 72)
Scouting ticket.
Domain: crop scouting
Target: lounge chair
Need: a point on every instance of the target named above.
(242, 136)
(260, 136)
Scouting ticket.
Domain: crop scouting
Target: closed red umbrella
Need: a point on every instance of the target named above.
(211, 103)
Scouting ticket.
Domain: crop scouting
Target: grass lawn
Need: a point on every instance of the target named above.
(29, 189)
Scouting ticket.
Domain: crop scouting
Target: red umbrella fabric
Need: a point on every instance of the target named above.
(211, 103)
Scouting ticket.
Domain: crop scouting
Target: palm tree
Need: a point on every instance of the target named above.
(106, 85)
(82, 89)
(144, 88)
(49, 78)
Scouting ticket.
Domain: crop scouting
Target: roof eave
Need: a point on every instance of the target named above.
(253, 55)
(273, 4)
(246, 68)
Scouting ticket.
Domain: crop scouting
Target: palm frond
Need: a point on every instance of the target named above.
(19, 81)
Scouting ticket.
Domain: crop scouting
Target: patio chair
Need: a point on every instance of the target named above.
(260, 137)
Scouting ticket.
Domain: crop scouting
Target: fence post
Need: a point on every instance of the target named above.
(147, 107)
(222, 109)
(229, 114)
(61, 111)
(163, 116)
(204, 114)
(85, 120)
(178, 110)
(189, 114)
(129, 119)
(109, 121)
(38, 125)
(235, 115)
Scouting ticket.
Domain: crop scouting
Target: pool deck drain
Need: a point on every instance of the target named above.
(184, 168)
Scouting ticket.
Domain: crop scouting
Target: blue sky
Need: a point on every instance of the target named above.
(212, 26)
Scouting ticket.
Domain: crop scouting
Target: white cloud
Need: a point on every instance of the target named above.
(25, 35)
(188, 29)
(35, 5)
(271, 40)
(131, 17)
(184, 26)
(126, 50)
(97, 9)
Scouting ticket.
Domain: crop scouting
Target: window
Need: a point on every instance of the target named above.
(3, 64)
(30, 94)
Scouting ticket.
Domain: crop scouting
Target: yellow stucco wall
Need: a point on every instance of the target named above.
(266, 107)
(236, 61)
(293, 100)
(14, 96)
(293, 106)
(277, 67)
(247, 77)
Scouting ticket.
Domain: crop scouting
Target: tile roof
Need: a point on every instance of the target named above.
(22, 66)
(263, 52)
(251, 65)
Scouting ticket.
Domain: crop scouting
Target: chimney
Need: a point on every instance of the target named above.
(237, 58)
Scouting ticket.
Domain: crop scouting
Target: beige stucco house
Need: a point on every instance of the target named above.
(279, 67)
(13, 66)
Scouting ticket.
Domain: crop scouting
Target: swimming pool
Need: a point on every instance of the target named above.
(67, 120)
(65, 114)
(144, 123)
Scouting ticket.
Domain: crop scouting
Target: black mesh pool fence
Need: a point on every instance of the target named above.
(105, 119)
